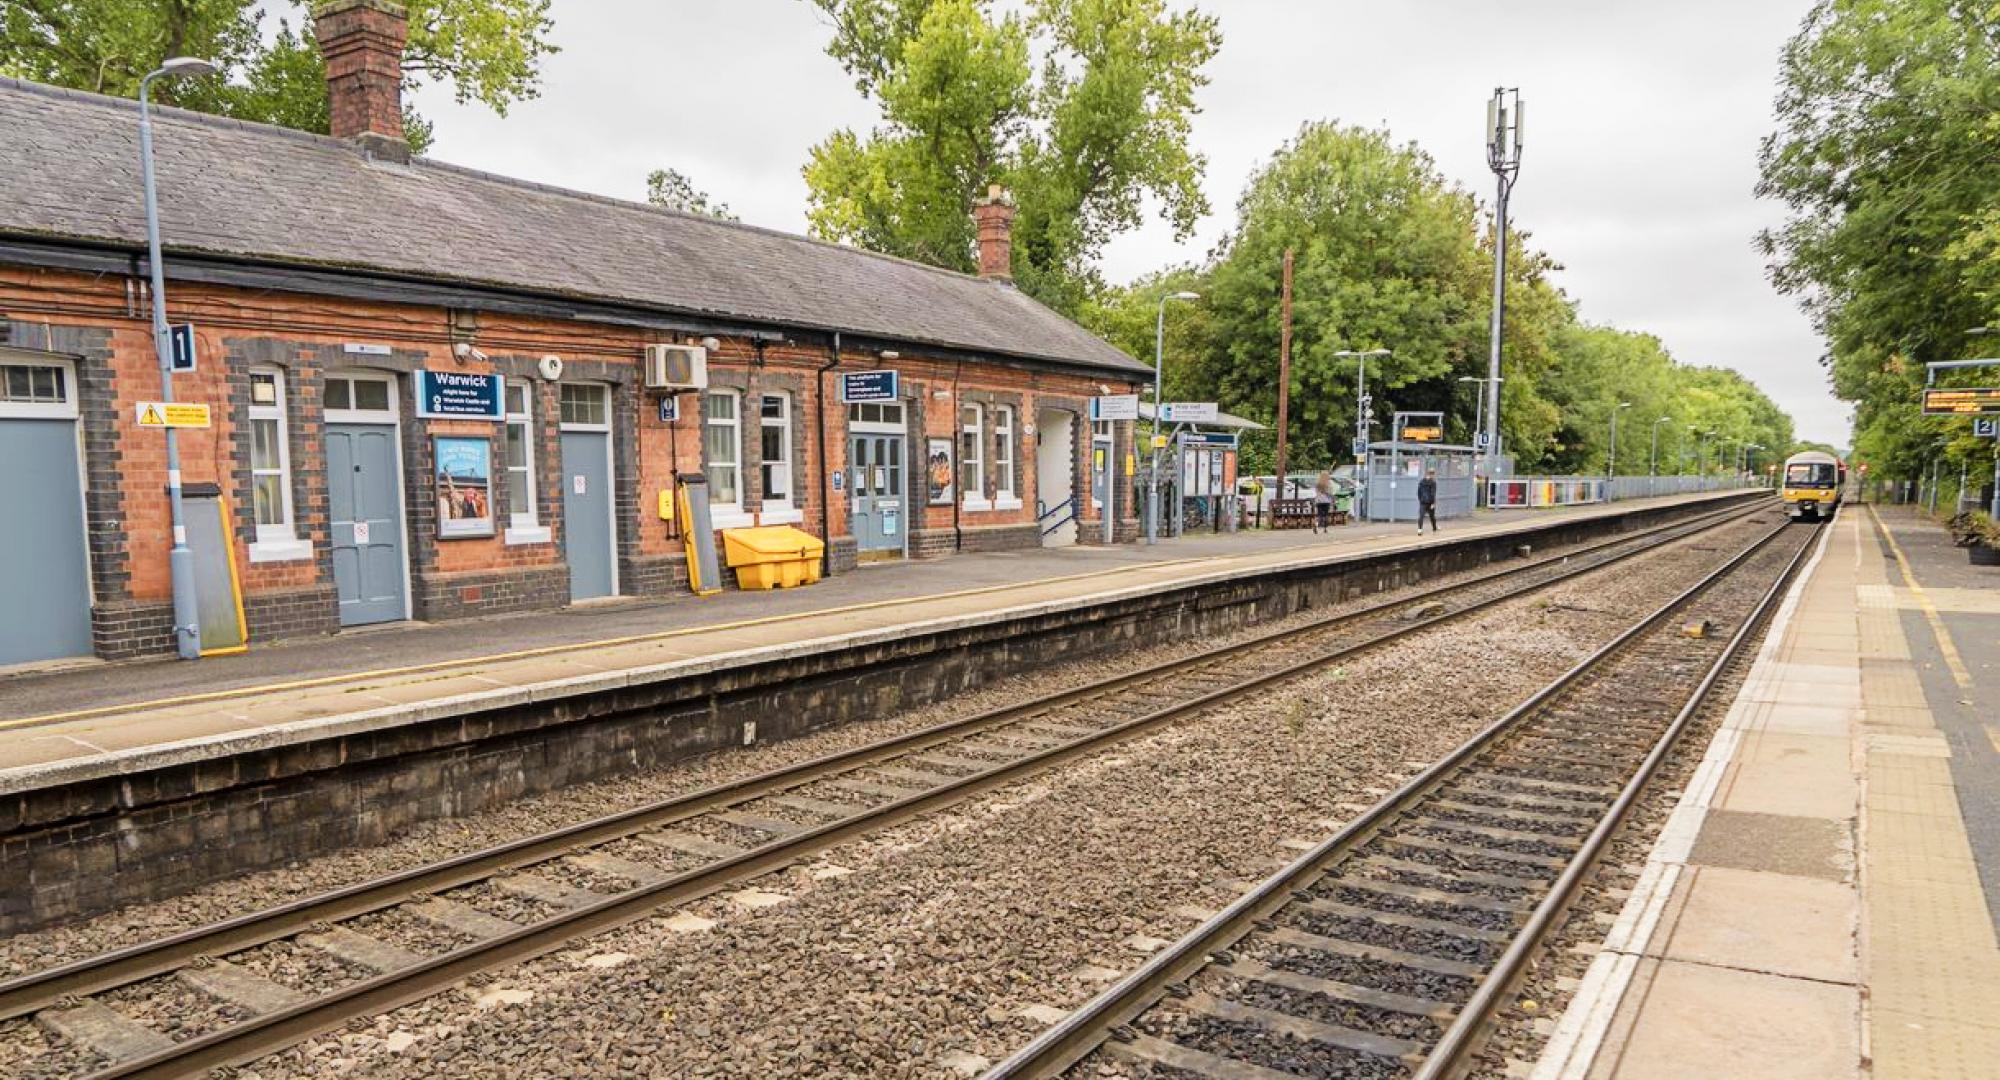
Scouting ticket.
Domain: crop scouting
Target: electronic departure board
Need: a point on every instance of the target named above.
(1961, 401)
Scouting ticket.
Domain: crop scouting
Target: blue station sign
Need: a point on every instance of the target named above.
(1208, 438)
(458, 395)
(868, 386)
(181, 337)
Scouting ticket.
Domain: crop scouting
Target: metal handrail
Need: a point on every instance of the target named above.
(1068, 504)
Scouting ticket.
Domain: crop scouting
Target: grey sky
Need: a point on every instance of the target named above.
(1643, 124)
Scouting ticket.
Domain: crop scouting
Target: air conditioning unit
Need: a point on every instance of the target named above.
(676, 367)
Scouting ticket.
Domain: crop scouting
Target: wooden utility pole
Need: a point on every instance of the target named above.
(1284, 373)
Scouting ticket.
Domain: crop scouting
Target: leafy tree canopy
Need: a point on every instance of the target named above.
(490, 51)
(1081, 108)
(1887, 131)
(672, 189)
(1389, 254)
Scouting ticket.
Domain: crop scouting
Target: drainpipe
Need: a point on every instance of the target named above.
(958, 467)
(825, 475)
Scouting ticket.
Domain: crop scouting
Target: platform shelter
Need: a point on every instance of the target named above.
(1393, 469)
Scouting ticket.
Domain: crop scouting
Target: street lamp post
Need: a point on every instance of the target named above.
(180, 559)
(1701, 457)
(1744, 466)
(1363, 412)
(1159, 366)
(1503, 156)
(1653, 461)
(1611, 464)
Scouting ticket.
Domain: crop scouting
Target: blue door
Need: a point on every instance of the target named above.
(587, 541)
(366, 516)
(875, 486)
(44, 582)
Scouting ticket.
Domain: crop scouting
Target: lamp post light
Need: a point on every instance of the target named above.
(1744, 463)
(1503, 155)
(1364, 412)
(180, 559)
(1653, 461)
(1611, 464)
(1159, 367)
(1701, 456)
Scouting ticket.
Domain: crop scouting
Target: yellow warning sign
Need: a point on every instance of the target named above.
(166, 414)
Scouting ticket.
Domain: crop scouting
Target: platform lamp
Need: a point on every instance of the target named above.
(1364, 413)
(1159, 366)
(180, 560)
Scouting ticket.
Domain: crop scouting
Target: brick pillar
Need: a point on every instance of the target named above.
(994, 215)
(362, 41)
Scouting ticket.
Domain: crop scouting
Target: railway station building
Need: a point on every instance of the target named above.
(437, 393)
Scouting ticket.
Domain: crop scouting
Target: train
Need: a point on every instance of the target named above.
(1812, 484)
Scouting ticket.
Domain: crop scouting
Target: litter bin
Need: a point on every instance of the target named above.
(772, 556)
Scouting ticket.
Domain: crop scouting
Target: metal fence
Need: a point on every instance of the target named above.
(1527, 492)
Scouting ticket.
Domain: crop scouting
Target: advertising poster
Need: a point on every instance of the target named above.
(942, 476)
(464, 485)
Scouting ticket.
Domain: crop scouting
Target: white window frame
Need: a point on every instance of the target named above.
(523, 527)
(65, 409)
(386, 415)
(781, 510)
(724, 515)
(972, 497)
(1005, 497)
(279, 542)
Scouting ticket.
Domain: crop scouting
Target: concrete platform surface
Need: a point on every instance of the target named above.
(1815, 906)
(109, 719)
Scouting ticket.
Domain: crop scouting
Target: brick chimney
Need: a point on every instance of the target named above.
(362, 41)
(994, 215)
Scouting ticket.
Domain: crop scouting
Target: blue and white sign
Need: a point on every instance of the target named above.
(1986, 427)
(868, 386)
(1479, 441)
(1208, 438)
(670, 409)
(1115, 407)
(458, 395)
(1190, 412)
(182, 338)
(1360, 447)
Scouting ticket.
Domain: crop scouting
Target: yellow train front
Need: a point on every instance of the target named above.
(1812, 485)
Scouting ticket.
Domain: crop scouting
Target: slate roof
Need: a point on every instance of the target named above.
(69, 169)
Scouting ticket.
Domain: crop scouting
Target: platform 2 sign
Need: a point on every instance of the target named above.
(1961, 401)
(175, 414)
(1986, 427)
(458, 395)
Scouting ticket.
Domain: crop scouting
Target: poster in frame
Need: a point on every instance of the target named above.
(942, 477)
(464, 485)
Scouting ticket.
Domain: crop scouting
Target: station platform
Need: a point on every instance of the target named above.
(101, 719)
(1825, 900)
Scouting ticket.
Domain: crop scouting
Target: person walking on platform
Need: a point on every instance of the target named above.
(1427, 500)
(1322, 501)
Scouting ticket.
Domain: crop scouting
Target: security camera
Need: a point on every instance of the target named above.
(466, 350)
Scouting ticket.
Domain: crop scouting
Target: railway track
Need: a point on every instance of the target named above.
(1387, 950)
(398, 939)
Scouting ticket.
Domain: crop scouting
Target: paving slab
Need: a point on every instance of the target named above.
(1779, 924)
(1697, 1023)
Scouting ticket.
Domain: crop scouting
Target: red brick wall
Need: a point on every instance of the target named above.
(304, 335)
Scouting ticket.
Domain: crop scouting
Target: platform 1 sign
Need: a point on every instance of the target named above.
(175, 414)
(867, 386)
(1961, 401)
(1115, 407)
(181, 337)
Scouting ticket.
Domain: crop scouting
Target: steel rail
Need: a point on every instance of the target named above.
(1082, 1031)
(270, 1032)
(90, 975)
(1453, 1052)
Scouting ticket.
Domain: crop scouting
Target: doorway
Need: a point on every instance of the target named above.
(589, 535)
(1055, 477)
(364, 481)
(877, 497)
(45, 575)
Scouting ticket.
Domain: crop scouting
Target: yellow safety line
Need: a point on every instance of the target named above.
(552, 650)
(635, 639)
(1945, 645)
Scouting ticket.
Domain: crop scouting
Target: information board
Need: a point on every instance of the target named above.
(1115, 407)
(1190, 412)
(458, 395)
(1961, 401)
(868, 386)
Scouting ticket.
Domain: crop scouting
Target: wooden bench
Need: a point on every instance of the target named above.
(1299, 514)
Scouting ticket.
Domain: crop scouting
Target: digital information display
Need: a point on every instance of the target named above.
(1961, 401)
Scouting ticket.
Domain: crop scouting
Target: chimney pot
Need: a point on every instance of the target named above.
(994, 218)
(362, 41)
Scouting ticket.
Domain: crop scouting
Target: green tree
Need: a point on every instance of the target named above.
(1883, 156)
(672, 189)
(1081, 108)
(490, 51)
